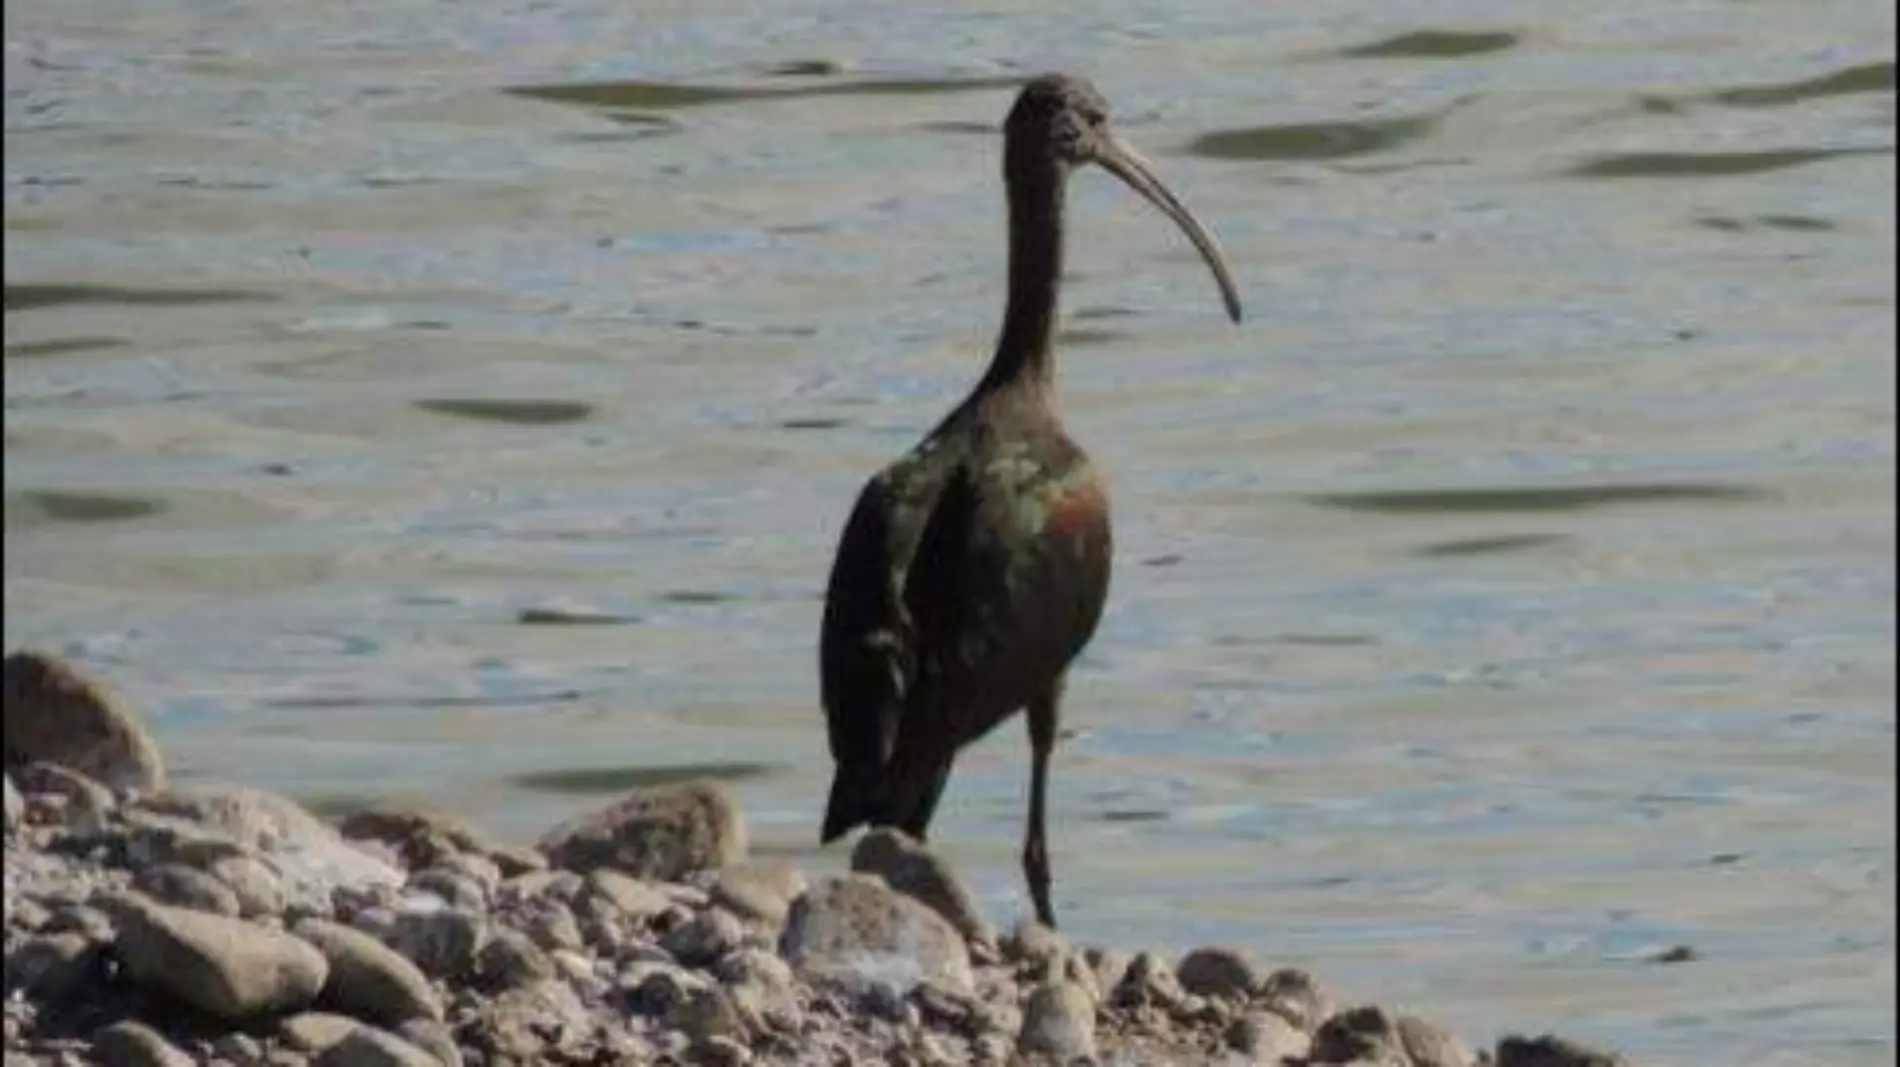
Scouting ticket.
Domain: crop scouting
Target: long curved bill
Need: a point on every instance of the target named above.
(1127, 164)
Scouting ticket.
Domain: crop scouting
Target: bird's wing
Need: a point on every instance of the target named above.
(866, 650)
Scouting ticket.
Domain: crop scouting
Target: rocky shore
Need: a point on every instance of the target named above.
(158, 925)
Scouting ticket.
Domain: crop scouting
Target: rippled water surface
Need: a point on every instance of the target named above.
(461, 402)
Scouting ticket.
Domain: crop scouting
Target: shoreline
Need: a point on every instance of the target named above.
(210, 923)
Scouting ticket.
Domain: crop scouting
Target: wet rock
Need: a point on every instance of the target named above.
(631, 897)
(368, 1046)
(1296, 997)
(50, 968)
(225, 967)
(1216, 972)
(315, 1031)
(510, 960)
(859, 931)
(130, 1043)
(368, 979)
(1429, 1045)
(705, 937)
(53, 713)
(442, 941)
(185, 887)
(252, 882)
(1058, 1020)
(1552, 1051)
(911, 868)
(1267, 1037)
(662, 833)
(760, 890)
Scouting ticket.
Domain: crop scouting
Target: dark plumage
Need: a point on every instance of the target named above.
(974, 568)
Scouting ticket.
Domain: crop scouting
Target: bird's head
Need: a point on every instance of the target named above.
(1062, 120)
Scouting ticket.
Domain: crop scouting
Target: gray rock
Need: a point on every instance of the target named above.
(129, 1043)
(88, 802)
(1059, 1021)
(255, 885)
(228, 968)
(705, 937)
(658, 989)
(1296, 997)
(1035, 946)
(510, 960)
(443, 941)
(1429, 1045)
(705, 1012)
(1217, 972)
(636, 900)
(315, 1031)
(859, 931)
(50, 712)
(910, 867)
(759, 890)
(368, 1046)
(666, 833)
(720, 1051)
(1148, 981)
(1551, 1051)
(49, 968)
(754, 966)
(550, 925)
(186, 887)
(1368, 1032)
(368, 979)
(432, 1037)
(238, 1047)
(516, 1026)
(424, 838)
(455, 889)
(1267, 1037)
(16, 805)
(564, 886)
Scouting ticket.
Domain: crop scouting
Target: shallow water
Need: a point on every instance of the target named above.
(463, 405)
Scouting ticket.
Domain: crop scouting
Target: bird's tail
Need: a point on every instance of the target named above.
(854, 801)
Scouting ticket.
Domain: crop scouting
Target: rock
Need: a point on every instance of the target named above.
(185, 887)
(455, 889)
(520, 1024)
(85, 920)
(550, 925)
(49, 968)
(1216, 972)
(16, 805)
(658, 989)
(704, 1013)
(227, 968)
(130, 1043)
(1296, 997)
(253, 883)
(705, 937)
(1428, 1045)
(760, 890)
(564, 886)
(1148, 981)
(443, 942)
(238, 1047)
(1552, 1051)
(88, 803)
(1368, 1032)
(432, 1037)
(510, 961)
(368, 979)
(367, 1046)
(1035, 947)
(720, 1051)
(52, 713)
(424, 838)
(665, 833)
(858, 930)
(1058, 1020)
(315, 1031)
(632, 898)
(911, 868)
(753, 966)
(1266, 1037)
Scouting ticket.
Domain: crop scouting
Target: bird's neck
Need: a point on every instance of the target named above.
(1025, 350)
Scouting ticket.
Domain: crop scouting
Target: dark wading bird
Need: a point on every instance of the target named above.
(973, 569)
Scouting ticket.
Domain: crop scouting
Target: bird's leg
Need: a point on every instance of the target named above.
(1044, 712)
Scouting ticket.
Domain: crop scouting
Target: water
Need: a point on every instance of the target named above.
(461, 403)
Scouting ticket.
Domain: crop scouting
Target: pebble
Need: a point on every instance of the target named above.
(367, 978)
(1058, 1020)
(130, 1043)
(226, 967)
(858, 930)
(368, 1046)
(186, 887)
(665, 833)
(1216, 972)
(443, 942)
(910, 867)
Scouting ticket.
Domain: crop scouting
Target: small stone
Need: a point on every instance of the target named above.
(1428, 1045)
(753, 966)
(315, 1031)
(658, 989)
(1108, 964)
(550, 925)
(633, 898)
(130, 1043)
(1216, 972)
(1552, 1051)
(228, 968)
(1034, 946)
(257, 888)
(443, 942)
(859, 930)
(704, 1013)
(705, 937)
(432, 1037)
(49, 968)
(721, 1051)
(186, 887)
(1296, 997)
(760, 890)
(1058, 1020)
(455, 889)
(368, 979)
(27, 915)
(1266, 1037)
(564, 886)
(83, 919)
(910, 867)
(666, 833)
(238, 1047)
(510, 960)
(1148, 981)
(368, 1046)
(421, 838)
(87, 802)
(50, 712)
(1368, 1032)
(476, 866)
